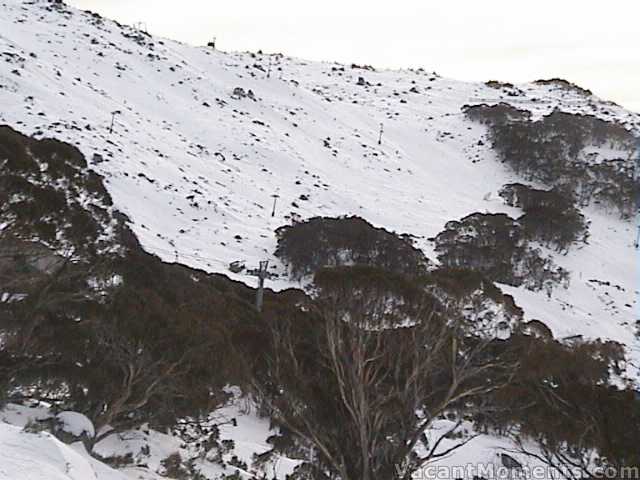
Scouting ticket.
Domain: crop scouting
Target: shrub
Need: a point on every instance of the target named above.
(550, 216)
(564, 85)
(107, 330)
(475, 296)
(48, 186)
(328, 242)
(561, 399)
(173, 467)
(495, 114)
(553, 150)
(495, 245)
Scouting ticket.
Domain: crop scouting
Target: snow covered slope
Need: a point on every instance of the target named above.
(40, 456)
(27, 454)
(196, 166)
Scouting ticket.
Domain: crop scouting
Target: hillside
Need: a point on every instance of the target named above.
(195, 147)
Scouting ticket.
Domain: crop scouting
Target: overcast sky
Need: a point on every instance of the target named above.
(594, 43)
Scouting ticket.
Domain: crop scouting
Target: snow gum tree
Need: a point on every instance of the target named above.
(366, 366)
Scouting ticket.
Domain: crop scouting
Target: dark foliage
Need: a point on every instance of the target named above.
(496, 246)
(351, 367)
(472, 293)
(495, 114)
(564, 85)
(561, 399)
(550, 216)
(47, 185)
(154, 348)
(90, 320)
(328, 242)
(553, 150)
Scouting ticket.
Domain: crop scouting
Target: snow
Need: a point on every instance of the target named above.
(249, 433)
(237, 421)
(22, 415)
(148, 448)
(482, 452)
(30, 456)
(196, 170)
(76, 424)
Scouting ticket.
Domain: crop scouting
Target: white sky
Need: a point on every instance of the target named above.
(594, 43)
